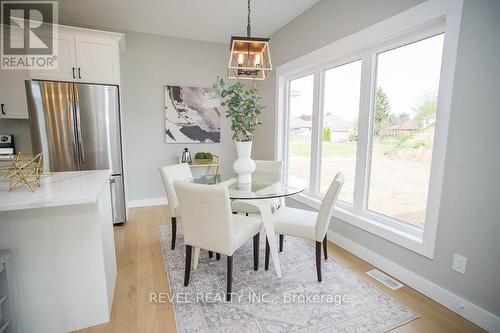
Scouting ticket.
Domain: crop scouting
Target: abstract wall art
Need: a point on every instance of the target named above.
(192, 115)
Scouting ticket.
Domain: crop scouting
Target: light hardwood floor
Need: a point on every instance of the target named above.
(141, 271)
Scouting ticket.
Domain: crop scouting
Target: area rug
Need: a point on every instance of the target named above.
(261, 302)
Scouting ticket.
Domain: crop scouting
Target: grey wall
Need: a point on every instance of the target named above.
(149, 63)
(469, 220)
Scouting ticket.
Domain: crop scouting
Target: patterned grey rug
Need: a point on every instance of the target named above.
(261, 302)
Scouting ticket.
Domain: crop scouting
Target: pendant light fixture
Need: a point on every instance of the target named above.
(250, 58)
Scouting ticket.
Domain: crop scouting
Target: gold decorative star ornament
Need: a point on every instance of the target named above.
(24, 171)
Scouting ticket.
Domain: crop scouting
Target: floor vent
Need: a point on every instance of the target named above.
(385, 279)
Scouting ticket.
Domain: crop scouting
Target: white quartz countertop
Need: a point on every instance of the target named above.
(57, 189)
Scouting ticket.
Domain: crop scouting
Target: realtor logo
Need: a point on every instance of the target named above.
(29, 34)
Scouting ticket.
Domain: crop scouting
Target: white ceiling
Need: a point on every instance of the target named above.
(208, 20)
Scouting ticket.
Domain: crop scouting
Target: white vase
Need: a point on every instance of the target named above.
(244, 165)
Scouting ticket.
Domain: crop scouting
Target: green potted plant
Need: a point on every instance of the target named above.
(203, 158)
(243, 110)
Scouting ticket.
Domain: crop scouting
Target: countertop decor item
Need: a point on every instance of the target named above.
(250, 58)
(24, 171)
(186, 156)
(243, 109)
(192, 115)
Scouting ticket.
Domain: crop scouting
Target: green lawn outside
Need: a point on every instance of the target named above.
(344, 149)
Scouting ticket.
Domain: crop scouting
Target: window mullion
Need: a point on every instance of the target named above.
(364, 132)
(283, 154)
(315, 170)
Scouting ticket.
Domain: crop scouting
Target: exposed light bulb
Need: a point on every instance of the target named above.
(241, 58)
(256, 60)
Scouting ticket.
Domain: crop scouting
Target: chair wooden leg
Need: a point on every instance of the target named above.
(229, 277)
(281, 243)
(217, 256)
(318, 260)
(174, 231)
(325, 247)
(256, 241)
(210, 254)
(187, 267)
(266, 262)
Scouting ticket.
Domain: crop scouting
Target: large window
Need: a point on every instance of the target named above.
(372, 114)
(403, 129)
(401, 136)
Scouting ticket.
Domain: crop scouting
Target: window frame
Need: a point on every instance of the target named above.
(388, 46)
(421, 22)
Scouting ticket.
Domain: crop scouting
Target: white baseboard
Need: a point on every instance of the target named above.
(455, 303)
(147, 202)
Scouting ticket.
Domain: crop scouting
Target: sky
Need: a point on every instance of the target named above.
(407, 75)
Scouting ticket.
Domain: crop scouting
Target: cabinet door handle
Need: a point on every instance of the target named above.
(3, 109)
(73, 69)
(79, 73)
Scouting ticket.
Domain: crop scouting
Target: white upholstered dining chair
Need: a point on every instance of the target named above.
(308, 224)
(208, 224)
(170, 174)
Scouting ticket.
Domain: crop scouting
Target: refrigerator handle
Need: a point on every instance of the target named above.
(73, 129)
(79, 125)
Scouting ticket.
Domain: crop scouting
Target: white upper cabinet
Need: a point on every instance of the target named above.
(12, 93)
(98, 60)
(66, 69)
(84, 55)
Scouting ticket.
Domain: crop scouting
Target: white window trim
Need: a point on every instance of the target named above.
(443, 15)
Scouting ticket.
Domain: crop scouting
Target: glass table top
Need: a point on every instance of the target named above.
(263, 186)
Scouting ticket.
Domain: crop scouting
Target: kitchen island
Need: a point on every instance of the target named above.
(63, 262)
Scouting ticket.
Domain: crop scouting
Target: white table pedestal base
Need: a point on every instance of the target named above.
(264, 206)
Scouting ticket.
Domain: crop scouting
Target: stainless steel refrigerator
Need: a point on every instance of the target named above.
(77, 127)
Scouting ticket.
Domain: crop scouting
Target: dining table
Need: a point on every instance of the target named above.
(262, 192)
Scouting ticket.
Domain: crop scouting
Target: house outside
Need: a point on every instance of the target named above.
(340, 130)
(401, 129)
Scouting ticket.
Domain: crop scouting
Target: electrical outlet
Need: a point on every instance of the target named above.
(459, 263)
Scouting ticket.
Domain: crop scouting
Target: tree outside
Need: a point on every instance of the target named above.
(382, 111)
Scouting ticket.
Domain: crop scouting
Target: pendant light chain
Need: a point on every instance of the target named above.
(248, 21)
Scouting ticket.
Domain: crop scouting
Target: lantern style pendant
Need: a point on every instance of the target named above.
(250, 58)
